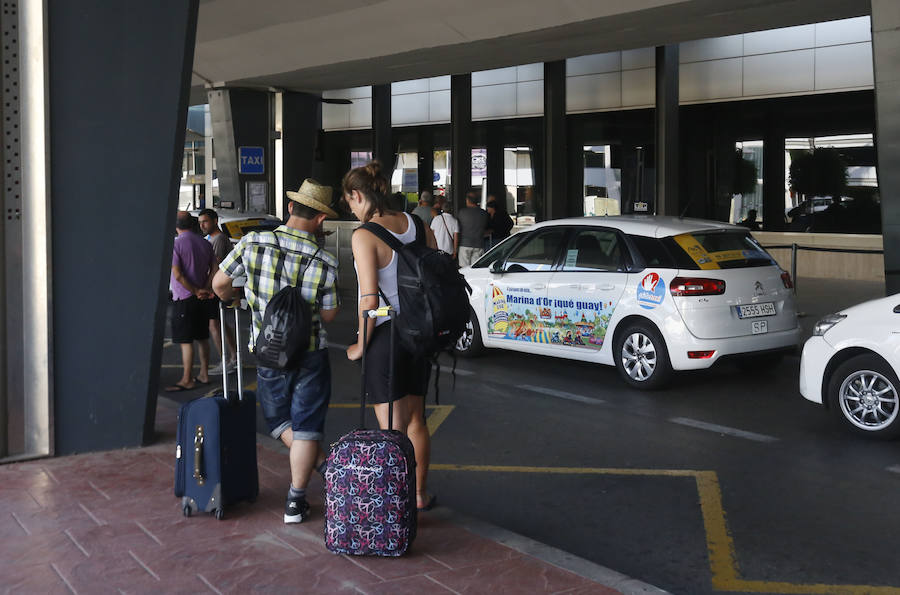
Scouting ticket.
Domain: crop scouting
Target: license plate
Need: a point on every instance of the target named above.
(759, 327)
(755, 310)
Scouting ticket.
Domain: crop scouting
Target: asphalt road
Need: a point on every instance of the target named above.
(727, 480)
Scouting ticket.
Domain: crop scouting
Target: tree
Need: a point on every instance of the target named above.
(820, 172)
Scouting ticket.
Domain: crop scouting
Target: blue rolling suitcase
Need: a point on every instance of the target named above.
(215, 453)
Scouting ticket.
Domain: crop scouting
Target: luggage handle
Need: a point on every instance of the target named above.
(198, 456)
(237, 351)
(378, 313)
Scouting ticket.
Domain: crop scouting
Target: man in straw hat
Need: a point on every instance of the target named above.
(294, 401)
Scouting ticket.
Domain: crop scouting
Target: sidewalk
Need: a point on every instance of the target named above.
(109, 523)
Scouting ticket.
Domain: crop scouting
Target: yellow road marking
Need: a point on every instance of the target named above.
(438, 415)
(722, 558)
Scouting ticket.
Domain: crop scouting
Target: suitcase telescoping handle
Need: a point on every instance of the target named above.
(378, 313)
(237, 349)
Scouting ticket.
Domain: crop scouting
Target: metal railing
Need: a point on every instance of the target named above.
(795, 249)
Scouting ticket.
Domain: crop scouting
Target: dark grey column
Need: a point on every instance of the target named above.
(425, 150)
(300, 124)
(115, 73)
(773, 179)
(461, 143)
(556, 198)
(381, 125)
(496, 183)
(667, 130)
(886, 56)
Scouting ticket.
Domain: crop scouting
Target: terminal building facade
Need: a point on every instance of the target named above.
(694, 108)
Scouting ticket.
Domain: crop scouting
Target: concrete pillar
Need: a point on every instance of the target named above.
(556, 191)
(886, 57)
(461, 138)
(667, 149)
(383, 147)
(114, 73)
(242, 126)
(425, 150)
(301, 122)
(773, 178)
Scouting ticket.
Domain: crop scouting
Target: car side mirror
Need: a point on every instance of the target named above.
(497, 267)
(897, 309)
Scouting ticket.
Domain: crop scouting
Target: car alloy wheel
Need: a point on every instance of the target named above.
(869, 400)
(639, 356)
(464, 343)
(469, 343)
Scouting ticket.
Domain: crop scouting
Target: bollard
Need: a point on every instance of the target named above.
(794, 266)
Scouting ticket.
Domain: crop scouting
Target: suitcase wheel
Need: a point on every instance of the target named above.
(220, 514)
(186, 510)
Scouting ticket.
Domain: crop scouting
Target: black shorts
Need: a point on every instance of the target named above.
(189, 321)
(211, 308)
(411, 373)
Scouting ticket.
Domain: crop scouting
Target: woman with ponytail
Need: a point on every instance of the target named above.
(366, 192)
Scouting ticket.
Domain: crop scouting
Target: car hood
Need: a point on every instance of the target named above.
(879, 306)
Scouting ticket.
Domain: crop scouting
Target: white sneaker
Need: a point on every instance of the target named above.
(230, 367)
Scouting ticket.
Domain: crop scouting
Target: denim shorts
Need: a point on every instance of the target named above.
(296, 398)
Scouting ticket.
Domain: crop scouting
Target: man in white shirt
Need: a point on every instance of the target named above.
(446, 231)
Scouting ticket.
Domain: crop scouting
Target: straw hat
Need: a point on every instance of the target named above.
(315, 196)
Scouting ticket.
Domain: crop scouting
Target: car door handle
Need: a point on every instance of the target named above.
(574, 285)
(539, 286)
(607, 287)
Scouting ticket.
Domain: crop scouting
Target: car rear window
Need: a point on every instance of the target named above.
(717, 250)
(654, 252)
(240, 227)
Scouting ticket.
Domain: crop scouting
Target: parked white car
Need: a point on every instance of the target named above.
(851, 364)
(646, 294)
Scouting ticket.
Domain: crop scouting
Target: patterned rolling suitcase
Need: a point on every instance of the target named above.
(370, 485)
(215, 452)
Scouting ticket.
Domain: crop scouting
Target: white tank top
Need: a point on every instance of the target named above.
(387, 276)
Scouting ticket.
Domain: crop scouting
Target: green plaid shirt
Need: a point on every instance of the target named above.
(258, 256)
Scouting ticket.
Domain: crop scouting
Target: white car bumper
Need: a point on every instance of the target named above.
(816, 355)
(678, 348)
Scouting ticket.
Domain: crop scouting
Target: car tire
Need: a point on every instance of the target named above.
(864, 394)
(470, 344)
(641, 356)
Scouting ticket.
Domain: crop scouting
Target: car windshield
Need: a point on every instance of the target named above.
(498, 252)
(717, 250)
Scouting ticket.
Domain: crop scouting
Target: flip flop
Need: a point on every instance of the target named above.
(198, 381)
(177, 388)
(432, 500)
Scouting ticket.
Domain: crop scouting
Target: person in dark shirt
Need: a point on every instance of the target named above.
(500, 223)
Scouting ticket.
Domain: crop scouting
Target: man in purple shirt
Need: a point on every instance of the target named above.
(193, 267)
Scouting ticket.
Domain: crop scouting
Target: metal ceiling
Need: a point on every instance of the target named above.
(313, 46)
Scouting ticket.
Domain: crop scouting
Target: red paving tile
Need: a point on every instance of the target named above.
(325, 573)
(516, 575)
(406, 586)
(32, 579)
(105, 522)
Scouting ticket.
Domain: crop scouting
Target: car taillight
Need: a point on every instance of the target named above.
(786, 279)
(700, 354)
(688, 286)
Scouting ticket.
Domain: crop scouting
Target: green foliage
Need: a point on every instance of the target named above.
(820, 172)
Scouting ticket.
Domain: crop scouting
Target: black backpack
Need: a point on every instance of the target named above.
(287, 323)
(433, 295)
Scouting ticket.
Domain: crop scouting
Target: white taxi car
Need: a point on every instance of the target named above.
(646, 294)
(851, 364)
